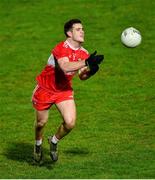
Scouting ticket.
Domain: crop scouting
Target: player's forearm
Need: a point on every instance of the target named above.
(72, 66)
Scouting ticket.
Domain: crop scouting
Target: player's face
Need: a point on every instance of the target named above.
(78, 33)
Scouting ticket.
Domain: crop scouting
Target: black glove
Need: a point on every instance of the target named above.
(94, 59)
(93, 69)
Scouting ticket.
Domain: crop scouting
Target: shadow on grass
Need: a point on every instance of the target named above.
(77, 151)
(23, 152)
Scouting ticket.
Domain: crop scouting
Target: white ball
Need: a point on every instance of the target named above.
(131, 37)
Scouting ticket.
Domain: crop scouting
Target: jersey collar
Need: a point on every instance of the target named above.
(71, 46)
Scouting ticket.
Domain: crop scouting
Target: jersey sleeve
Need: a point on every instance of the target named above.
(59, 51)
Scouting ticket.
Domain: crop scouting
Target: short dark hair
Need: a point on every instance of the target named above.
(68, 25)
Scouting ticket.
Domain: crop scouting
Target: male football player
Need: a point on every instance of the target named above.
(54, 85)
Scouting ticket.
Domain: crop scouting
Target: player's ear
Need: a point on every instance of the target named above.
(69, 33)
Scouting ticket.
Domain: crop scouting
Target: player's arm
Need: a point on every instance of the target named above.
(67, 66)
(90, 62)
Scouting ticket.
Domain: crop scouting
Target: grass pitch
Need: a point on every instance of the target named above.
(115, 132)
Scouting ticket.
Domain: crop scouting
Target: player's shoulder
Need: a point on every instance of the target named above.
(62, 45)
(58, 47)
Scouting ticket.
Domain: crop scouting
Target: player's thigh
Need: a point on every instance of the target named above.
(42, 116)
(67, 109)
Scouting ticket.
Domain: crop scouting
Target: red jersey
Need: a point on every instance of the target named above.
(52, 77)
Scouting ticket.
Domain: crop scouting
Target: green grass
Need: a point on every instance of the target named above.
(115, 132)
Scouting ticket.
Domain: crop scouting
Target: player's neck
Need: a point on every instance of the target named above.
(73, 44)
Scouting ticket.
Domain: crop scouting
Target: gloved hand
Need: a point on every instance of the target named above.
(94, 60)
(93, 70)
